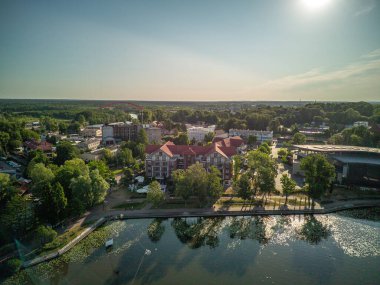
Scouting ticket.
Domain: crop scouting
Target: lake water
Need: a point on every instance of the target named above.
(330, 249)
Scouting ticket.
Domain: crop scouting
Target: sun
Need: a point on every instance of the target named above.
(315, 5)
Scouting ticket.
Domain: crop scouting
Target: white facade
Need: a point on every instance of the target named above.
(199, 133)
(92, 131)
(261, 136)
(361, 123)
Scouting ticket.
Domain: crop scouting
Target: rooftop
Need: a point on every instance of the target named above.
(337, 148)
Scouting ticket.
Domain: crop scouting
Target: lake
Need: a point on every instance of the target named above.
(339, 248)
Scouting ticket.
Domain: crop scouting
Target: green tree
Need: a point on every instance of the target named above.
(155, 194)
(251, 140)
(182, 139)
(103, 169)
(182, 184)
(299, 138)
(209, 137)
(127, 178)
(142, 137)
(124, 157)
(18, 216)
(198, 181)
(319, 174)
(4, 140)
(243, 187)
(288, 186)
(237, 164)
(81, 188)
(7, 190)
(41, 173)
(215, 187)
(45, 234)
(65, 151)
(52, 201)
(99, 186)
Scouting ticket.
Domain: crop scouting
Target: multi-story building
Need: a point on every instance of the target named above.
(119, 131)
(92, 131)
(261, 136)
(198, 133)
(154, 134)
(90, 144)
(361, 123)
(162, 160)
(236, 142)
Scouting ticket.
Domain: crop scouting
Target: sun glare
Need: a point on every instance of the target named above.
(315, 5)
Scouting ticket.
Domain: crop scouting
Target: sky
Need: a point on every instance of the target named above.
(191, 50)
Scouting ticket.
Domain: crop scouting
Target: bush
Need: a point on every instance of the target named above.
(45, 234)
(10, 267)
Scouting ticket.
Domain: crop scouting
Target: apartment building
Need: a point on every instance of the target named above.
(261, 136)
(162, 160)
(92, 131)
(122, 131)
(198, 133)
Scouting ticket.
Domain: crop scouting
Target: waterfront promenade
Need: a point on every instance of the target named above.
(204, 212)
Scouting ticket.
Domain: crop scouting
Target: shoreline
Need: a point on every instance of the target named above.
(188, 213)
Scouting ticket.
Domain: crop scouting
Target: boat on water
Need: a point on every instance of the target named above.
(109, 243)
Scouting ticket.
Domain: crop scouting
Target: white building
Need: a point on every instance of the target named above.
(93, 131)
(90, 144)
(361, 123)
(198, 133)
(261, 136)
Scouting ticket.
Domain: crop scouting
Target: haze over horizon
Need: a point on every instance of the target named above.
(324, 50)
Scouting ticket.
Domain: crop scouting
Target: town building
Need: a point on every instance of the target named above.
(162, 160)
(261, 136)
(121, 131)
(236, 142)
(154, 134)
(361, 123)
(198, 133)
(92, 131)
(90, 144)
(45, 146)
(354, 165)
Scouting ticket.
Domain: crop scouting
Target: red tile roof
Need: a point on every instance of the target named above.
(229, 142)
(171, 149)
(44, 145)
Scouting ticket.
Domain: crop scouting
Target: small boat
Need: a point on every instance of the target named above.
(109, 243)
(147, 252)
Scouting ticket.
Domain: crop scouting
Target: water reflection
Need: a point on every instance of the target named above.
(314, 231)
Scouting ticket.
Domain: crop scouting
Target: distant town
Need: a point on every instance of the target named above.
(65, 160)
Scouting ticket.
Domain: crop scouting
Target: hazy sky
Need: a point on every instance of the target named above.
(190, 50)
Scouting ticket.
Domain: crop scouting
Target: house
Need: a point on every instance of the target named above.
(162, 160)
(31, 145)
(236, 142)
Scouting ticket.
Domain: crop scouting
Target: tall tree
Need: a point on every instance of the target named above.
(288, 186)
(319, 174)
(142, 137)
(155, 194)
(215, 187)
(299, 138)
(65, 151)
(99, 186)
(181, 183)
(243, 187)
